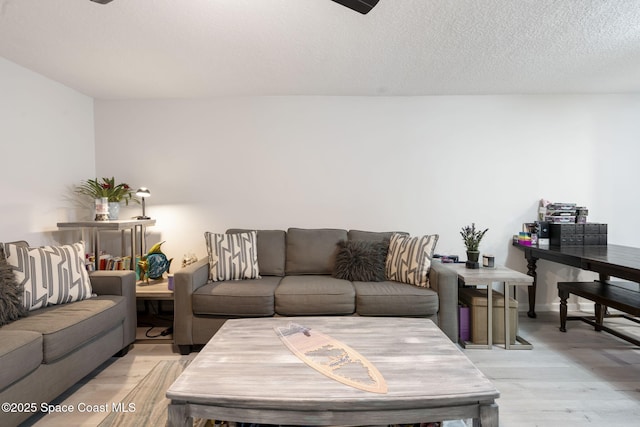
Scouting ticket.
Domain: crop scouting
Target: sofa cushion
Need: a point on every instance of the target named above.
(232, 256)
(11, 292)
(312, 251)
(271, 250)
(22, 352)
(394, 299)
(50, 274)
(67, 327)
(373, 236)
(241, 298)
(361, 260)
(409, 259)
(314, 295)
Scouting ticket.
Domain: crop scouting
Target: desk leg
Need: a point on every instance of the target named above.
(599, 311)
(605, 310)
(531, 271)
(564, 295)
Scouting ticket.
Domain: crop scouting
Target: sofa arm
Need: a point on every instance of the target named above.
(123, 283)
(445, 282)
(186, 281)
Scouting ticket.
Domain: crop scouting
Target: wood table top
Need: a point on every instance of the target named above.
(483, 275)
(155, 289)
(114, 224)
(246, 365)
(613, 260)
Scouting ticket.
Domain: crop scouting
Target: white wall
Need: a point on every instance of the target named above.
(47, 139)
(419, 164)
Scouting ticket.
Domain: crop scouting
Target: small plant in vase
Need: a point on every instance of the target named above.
(107, 192)
(472, 238)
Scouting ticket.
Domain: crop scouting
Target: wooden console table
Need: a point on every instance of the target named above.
(608, 261)
(133, 225)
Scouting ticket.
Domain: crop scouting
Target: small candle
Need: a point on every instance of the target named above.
(488, 261)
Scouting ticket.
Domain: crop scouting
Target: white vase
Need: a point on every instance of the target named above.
(102, 209)
(114, 210)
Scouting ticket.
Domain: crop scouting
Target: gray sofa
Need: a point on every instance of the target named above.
(296, 269)
(48, 351)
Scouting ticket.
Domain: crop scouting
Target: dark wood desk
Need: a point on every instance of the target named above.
(608, 261)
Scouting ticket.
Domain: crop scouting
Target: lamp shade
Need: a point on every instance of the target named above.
(143, 192)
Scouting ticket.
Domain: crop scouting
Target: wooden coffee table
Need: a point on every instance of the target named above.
(246, 374)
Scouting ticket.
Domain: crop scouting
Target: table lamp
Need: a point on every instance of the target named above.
(143, 193)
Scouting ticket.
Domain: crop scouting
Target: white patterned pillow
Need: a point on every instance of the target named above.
(50, 274)
(232, 256)
(409, 259)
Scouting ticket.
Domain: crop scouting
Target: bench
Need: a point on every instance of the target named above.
(603, 294)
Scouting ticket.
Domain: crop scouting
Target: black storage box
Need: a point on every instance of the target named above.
(592, 234)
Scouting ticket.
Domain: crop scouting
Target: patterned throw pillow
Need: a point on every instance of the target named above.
(232, 256)
(409, 259)
(50, 275)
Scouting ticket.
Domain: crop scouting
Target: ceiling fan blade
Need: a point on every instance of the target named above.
(362, 6)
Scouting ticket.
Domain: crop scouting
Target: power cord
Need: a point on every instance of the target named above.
(156, 315)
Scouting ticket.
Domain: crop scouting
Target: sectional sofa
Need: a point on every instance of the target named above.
(297, 277)
(50, 349)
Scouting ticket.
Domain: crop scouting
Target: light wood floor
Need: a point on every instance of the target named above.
(577, 378)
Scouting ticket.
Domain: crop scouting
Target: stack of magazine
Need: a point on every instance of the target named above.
(562, 213)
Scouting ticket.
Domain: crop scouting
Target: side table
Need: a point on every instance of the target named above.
(486, 277)
(156, 290)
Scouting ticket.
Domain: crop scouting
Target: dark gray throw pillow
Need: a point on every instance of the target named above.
(361, 261)
(11, 307)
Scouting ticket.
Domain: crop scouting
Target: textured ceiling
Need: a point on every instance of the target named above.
(203, 48)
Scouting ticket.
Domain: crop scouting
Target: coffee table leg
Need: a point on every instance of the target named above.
(177, 415)
(488, 416)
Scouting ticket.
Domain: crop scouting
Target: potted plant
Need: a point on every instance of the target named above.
(109, 190)
(471, 238)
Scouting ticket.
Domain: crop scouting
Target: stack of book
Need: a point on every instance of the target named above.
(108, 262)
(559, 213)
(562, 213)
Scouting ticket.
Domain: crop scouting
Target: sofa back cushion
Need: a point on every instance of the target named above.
(313, 251)
(271, 250)
(373, 236)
